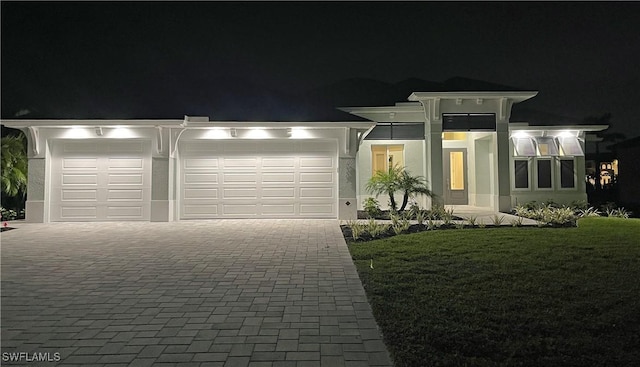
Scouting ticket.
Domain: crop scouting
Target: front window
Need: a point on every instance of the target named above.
(567, 176)
(385, 156)
(521, 173)
(544, 174)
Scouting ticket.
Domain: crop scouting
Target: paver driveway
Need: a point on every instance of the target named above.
(190, 293)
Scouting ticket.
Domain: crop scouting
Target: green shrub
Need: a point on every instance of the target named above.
(357, 229)
(372, 207)
(399, 223)
(376, 229)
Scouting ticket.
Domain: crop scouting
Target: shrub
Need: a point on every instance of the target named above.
(618, 213)
(399, 224)
(10, 214)
(372, 207)
(497, 220)
(589, 212)
(517, 222)
(357, 229)
(376, 229)
(471, 220)
(420, 217)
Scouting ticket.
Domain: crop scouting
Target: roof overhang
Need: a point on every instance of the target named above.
(402, 112)
(585, 128)
(186, 123)
(516, 97)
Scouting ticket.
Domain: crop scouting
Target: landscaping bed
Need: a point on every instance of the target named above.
(507, 296)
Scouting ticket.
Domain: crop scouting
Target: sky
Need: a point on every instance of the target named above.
(582, 57)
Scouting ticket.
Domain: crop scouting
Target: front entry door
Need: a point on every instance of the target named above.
(456, 190)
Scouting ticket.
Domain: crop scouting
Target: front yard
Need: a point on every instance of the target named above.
(508, 296)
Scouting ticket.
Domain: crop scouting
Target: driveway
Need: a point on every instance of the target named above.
(189, 293)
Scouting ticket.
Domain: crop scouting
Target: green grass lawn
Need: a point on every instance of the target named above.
(508, 296)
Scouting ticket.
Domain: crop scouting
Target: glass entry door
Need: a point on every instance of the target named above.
(456, 191)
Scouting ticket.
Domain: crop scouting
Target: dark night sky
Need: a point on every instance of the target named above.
(86, 59)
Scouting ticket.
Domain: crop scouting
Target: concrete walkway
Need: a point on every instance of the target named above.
(192, 293)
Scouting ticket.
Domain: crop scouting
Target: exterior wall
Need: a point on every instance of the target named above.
(413, 160)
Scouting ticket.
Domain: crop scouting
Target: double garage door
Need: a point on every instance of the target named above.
(110, 180)
(262, 178)
(100, 180)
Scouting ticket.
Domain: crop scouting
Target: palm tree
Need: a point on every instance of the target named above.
(386, 182)
(412, 185)
(14, 165)
(397, 179)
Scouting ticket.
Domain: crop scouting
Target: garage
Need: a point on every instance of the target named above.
(100, 180)
(258, 179)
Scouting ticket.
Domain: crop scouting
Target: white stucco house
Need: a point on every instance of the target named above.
(167, 170)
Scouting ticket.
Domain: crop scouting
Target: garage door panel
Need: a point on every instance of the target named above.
(278, 163)
(316, 209)
(79, 179)
(244, 193)
(201, 163)
(201, 194)
(240, 163)
(316, 177)
(279, 177)
(278, 192)
(200, 211)
(278, 209)
(125, 163)
(232, 178)
(79, 195)
(125, 179)
(316, 162)
(240, 209)
(201, 178)
(80, 163)
(316, 193)
(78, 212)
(125, 195)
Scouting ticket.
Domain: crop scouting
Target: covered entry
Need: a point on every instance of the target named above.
(258, 178)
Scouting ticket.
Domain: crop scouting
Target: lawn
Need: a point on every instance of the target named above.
(508, 296)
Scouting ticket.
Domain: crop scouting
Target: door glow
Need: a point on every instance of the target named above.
(456, 173)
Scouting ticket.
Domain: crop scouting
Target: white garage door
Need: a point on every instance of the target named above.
(249, 179)
(100, 180)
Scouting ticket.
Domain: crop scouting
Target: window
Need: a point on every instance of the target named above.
(567, 178)
(547, 146)
(385, 156)
(570, 146)
(521, 170)
(397, 130)
(524, 147)
(544, 174)
(468, 121)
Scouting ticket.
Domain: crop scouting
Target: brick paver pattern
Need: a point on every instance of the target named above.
(190, 293)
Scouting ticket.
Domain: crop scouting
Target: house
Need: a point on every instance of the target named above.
(165, 170)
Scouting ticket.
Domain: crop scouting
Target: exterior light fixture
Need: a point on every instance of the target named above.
(234, 132)
(99, 131)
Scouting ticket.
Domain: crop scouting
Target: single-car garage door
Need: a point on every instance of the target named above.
(252, 179)
(100, 180)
